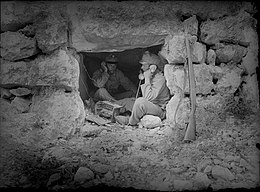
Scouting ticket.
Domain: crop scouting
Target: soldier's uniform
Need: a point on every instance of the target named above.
(155, 94)
(109, 84)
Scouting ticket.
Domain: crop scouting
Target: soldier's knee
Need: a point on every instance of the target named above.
(101, 90)
(139, 101)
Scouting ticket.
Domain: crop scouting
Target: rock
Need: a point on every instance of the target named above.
(221, 154)
(108, 176)
(51, 106)
(208, 169)
(202, 179)
(14, 72)
(229, 82)
(227, 29)
(90, 31)
(143, 164)
(100, 168)
(221, 172)
(51, 30)
(202, 164)
(250, 61)
(22, 105)
(90, 130)
(229, 53)
(250, 91)
(28, 31)
(174, 76)
(199, 53)
(15, 46)
(181, 185)
(5, 93)
(60, 68)
(229, 158)
(203, 79)
(214, 103)
(59, 153)
(192, 25)
(174, 51)
(54, 178)
(217, 161)
(150, 121)
(211, 57)
(177, 170)
(83, 174)
(20, 91)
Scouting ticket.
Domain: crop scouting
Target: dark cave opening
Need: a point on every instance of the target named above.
(128, 63)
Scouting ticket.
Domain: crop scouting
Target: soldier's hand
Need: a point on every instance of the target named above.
(103, 66)
(141, 76)
(147, 75)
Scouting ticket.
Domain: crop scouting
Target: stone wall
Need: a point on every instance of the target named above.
(39, 41)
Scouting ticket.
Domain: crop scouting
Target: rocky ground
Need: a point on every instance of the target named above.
(223, 156)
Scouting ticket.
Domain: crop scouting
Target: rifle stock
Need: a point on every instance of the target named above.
(190, 133)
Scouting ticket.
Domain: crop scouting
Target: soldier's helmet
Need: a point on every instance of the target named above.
(152, 59)
(111, 58)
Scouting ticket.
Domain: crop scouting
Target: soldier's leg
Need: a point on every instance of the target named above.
(144, 107)
(103, 95)
(126, 94)
(126, 103)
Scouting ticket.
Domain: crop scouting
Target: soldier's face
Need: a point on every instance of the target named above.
(111, 67)
(145, 67)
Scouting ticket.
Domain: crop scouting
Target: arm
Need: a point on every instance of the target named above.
(100, 78)
(152, 89)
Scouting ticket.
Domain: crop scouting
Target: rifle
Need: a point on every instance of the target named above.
(190, 133)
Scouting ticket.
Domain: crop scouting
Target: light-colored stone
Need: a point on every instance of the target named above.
(174, 49)
(221, 172)
(6, 110)
(227, 29)
(5, 93)
(51, 30)
(14, 72)
(211, 57)
(60, 68)
(150, 121)
(199, 53)
(250, 90)
(59, 153)
(192, 25)
(53, 179)
(109, 176)
(250, 61)
(202, 179)
(15, 45)
(207, 169)
(181, 185)
(90, 130)
(20, 91)
(83, 174)
(100, 168)
(230, 81)
(229, 53)
(229, 158)
(21, 104)
(58, 112)
(202, 164)
(174, 76)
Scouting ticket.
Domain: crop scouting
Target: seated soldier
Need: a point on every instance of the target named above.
(155, 93)
(112, 84)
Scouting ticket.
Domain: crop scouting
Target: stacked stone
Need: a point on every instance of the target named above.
(225, 62)
(40, 75)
